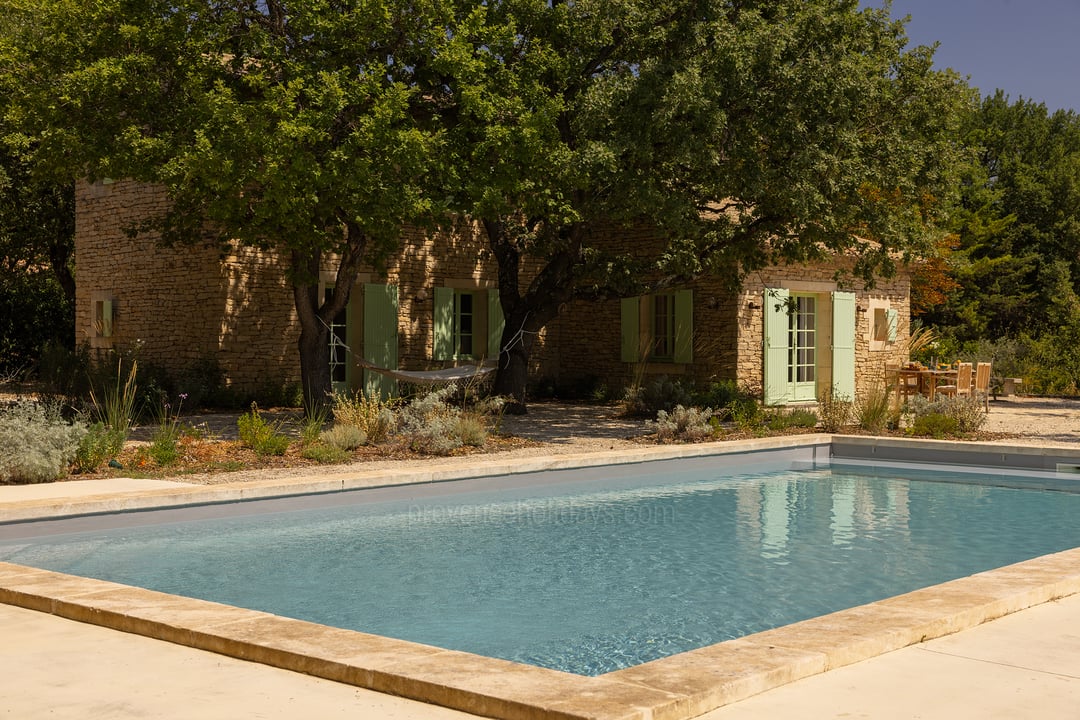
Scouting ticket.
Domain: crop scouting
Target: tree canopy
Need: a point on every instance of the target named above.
(743, 132)
(285, 125)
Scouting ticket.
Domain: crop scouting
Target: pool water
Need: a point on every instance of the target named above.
(585, 577)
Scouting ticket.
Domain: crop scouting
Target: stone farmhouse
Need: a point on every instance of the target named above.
(792, 332)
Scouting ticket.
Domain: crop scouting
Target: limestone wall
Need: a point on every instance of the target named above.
(185, 304)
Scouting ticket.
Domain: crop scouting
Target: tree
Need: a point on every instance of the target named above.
(37, 287)
(1017, 224)
(294, 126)
(744, 133)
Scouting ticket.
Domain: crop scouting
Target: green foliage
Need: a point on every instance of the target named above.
(370, 414)
(874, 411)
(746, 412)
(782, 419)
(164, 446)
(36, 444)
(936, 425)
(835, 412)
(325, 453)
(114, 404)
(263, 437)
(684, 424)
(963, 415)
(99, 445)
(720, 394)
(430, 424)
(345, 437)
(663, 393)
(37, 287)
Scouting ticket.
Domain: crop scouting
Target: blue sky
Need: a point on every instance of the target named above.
(1028, 48)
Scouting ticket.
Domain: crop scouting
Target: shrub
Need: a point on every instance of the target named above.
(344, 437)
(965, 411)
(471, 430)
(688, 424)
(325, 453)
(936, 425)
(792, 418)
(873, 410)
(116, 406)
(36, 443)
(98, 445)
(662, 393)
(835, 412)
(432, 425)
(372, 415)
(262, 437)
(746, 412)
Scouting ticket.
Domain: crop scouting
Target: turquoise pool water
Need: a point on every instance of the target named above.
(586, 576)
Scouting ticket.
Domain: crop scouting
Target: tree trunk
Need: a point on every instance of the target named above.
(315, 317)
(511, 378)
(526, 314)
(315, 367)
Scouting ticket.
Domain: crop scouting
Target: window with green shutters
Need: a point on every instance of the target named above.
(658, 328)
(468, 324)
(792, 346)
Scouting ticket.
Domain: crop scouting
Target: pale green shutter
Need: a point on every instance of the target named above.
(106, 318)
(843, 359)
(684, 326)
(380, 337)
(630, 310)
(892, 322)
(776, 323)
(443, 340)
(495, 324)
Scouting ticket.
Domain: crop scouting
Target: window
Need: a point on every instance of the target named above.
(338, 345)
(464, 323)
(468, 324)
(663, 327)
(802, 341)
(658, 328)
(103, 318)
(805, 354)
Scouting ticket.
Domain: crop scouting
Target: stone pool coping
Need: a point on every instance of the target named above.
(676, 687)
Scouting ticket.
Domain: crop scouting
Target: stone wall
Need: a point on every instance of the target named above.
(182, 305)
(870, 357)
(185, 304)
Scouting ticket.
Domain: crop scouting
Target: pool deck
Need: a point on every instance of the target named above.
(1007, 645)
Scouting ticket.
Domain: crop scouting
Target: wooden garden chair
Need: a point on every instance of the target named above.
(962, 385)
(982, 384)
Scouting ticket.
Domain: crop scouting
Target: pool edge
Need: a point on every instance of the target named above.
(678, 687)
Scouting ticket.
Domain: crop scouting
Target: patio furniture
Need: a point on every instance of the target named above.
(904, 381)
(962, 383)
(982, 384)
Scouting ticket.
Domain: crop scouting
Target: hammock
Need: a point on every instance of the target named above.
(430, 377)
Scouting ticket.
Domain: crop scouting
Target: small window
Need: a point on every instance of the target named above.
(464, 324)
(103, 318)
(663, 327)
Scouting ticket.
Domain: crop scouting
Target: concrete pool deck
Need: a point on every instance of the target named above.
(1026, 664)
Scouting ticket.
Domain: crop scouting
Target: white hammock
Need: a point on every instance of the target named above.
(431, 377)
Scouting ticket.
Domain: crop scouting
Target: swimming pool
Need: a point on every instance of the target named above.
(583, 572)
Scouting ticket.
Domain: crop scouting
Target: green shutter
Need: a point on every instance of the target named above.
(684, 326)
(843, 359)
(443, 340)
(106, 318)
(630, 323)
(380, 337)
(892, 321)
(495, 324)
(776, 322)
